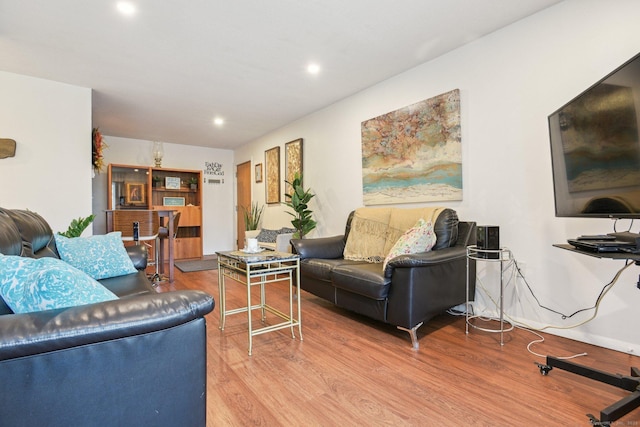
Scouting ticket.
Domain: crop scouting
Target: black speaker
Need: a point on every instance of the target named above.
(488, 237)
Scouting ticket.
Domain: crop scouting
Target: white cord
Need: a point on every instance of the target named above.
(532, 329)
(541, 340)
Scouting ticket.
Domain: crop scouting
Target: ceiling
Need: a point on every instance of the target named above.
(166, 71)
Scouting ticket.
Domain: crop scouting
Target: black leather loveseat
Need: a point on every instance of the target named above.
(412, 288)
(139, 360)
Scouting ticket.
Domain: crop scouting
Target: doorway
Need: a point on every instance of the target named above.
(243, 197)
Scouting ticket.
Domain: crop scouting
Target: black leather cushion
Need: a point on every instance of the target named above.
(446, 229)
(10, 241)
(322, 247)
(129, 284)
(37, 237)
(322, 268)
(362, 278)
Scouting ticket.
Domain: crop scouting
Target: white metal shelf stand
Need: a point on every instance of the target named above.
(502, 256)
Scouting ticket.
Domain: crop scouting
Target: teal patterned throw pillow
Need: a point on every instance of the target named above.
(29, 284)
(101, 256)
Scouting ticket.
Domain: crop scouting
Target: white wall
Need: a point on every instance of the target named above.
(510, 81)
(51, 171)
(217, 199)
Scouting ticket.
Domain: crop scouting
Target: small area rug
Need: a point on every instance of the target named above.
(197, 265)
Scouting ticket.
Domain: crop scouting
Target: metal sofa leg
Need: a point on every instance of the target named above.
(413, 334)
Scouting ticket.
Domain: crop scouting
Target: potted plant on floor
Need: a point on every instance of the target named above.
(298, 200)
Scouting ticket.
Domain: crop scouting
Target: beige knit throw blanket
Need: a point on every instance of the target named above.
(374, 231)
(368, 235)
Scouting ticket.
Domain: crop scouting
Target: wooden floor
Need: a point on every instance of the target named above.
(352, 371)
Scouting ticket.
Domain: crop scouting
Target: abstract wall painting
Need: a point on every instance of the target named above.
(414, 154)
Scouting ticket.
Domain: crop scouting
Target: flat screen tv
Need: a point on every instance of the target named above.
(595, 149)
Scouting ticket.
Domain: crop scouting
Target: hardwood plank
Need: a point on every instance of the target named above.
(351, 370)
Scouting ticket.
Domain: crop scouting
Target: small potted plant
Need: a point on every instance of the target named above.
(252, 216)
(193, 183)
(157, 181)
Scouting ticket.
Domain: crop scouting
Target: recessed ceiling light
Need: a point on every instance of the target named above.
(126, 8)
(313, 68)
(218, 121)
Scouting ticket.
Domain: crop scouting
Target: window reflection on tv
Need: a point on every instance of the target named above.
(596, 150)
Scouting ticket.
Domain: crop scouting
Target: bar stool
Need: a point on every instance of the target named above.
(163, 234)
(148, 221)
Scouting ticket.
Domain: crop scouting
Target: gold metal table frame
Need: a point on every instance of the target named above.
(258, 270)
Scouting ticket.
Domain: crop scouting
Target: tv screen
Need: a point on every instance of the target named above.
(595, 149)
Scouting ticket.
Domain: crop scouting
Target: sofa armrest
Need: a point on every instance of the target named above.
(425, 259)
(139, 255)
(283, 242)
(51, 330)
(323, 247)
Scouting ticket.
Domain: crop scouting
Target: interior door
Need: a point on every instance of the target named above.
(243, 197)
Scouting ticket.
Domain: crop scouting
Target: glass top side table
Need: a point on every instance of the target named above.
(260, 269)
(502, 256)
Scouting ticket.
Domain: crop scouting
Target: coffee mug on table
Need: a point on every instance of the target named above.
(252, 244)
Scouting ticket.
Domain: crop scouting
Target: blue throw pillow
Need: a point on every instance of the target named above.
(29, 284)
(101, 256)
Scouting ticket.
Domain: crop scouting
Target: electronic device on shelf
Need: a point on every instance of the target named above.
(602, 245)
(596, 237)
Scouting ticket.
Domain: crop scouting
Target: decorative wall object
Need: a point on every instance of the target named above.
(293, 159)
(272, 175)
(259, 172)
(173, 201)
(97, 146)
(414, 154)
(7, 148)
(135, 194)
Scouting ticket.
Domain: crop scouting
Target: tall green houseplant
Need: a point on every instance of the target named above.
(298, 200)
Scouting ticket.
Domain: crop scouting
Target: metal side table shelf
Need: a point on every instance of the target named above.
(502, 256)
(260, 269)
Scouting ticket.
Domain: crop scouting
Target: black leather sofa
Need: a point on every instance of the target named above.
(139, 360)
(410, 291)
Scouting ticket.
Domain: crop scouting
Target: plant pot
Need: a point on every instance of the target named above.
(251, 234)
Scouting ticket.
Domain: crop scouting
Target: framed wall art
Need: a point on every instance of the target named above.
(135, 194)
(414, 154)
(172, 183)
(293, 159)
(173, 201)
(272, 175)
(259, 172)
